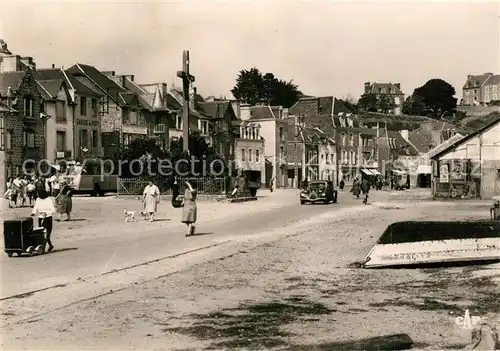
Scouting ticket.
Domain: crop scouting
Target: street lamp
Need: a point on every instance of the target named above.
(298, 127)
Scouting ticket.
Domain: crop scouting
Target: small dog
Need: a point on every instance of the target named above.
(130, 215)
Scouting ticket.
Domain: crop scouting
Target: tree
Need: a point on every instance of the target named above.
(385, 103)
(249, 86)
(368, 102)
(438, 97)
(252, 87)
(414, 105)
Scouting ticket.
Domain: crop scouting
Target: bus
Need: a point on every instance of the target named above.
(92, 177)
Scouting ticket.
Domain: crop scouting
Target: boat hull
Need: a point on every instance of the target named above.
(429, 252)
(420, 243)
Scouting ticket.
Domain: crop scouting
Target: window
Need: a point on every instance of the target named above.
(282, 154)
(29, 138)
(282, 134)
(250, 155)
(8, 140)
(28, 106)
(257, 156)
(84, 138)
(494, 89)
(42, 106)
(495, 97)
(83, 106)
(487, 97)
(132, 117)
(95, 138)
(343, 139)
(243, 152)
(61, 141)
(486, 89)
(178, 122)
(94, 107)
(352, 140)
(257, 133)
(203, 126)
(60, 110)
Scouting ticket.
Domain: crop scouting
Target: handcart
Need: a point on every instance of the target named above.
(21, 237)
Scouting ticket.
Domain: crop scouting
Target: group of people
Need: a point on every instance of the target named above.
(359, 187)
(25, 190)
(151, 199)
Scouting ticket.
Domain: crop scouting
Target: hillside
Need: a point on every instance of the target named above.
(394, 122)
(477, 122)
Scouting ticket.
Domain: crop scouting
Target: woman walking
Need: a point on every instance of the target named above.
(151, 198)
(189, 212)
(64, 202)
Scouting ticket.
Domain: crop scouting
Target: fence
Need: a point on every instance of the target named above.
(203, 186)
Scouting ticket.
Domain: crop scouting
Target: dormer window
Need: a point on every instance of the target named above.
(257, 133)
(28, 106)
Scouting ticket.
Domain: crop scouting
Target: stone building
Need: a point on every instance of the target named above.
(22, 128)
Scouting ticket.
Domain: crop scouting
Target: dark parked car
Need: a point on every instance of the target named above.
(319, 191)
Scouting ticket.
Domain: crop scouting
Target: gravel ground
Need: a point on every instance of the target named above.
(295, 291)
(103, 216)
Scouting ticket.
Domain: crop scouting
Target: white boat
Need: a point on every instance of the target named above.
(418, 243)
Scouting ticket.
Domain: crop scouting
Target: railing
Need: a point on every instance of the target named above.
(368, 148)
(159, 128)
(204, 186)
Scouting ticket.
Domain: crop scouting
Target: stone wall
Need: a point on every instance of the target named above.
(17, 124)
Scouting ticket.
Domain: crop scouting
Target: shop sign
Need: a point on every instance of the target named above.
(444, 174)
(86, 122)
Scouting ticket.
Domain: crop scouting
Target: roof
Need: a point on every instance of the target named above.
(81, 88)
(444, 145)
(5, 108)
(50, 88)
(468, 137)
(326, 105)
(323, 122)
(10, 79)
(387, 87)
(493, 80)
(475, 80)
(261, 112)
(49, 74)
(422, 138)
(214, 109)
(99, 78)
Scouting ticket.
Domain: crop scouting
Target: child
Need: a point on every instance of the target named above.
(44, 208)
(31, 192)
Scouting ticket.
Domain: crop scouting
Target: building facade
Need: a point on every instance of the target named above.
(481, 89)
(387, 89)
(469, 168)
(23, 129)
(249, 151)
(273, 129)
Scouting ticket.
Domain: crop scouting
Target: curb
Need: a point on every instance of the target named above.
(240, 199)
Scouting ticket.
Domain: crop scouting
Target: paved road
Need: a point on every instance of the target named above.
(92, 257)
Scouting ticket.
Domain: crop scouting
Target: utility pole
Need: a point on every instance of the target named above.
(187, 79)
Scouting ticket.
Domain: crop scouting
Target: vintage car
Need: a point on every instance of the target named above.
(319, 191)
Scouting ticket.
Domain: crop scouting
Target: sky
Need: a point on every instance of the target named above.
(326, 47)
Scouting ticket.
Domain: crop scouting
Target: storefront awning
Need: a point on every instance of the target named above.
(366, 171)
(424, 169)
(375, 172)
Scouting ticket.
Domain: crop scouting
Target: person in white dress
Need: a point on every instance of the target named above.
(151, 198)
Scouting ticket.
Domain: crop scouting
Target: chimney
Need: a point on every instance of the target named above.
(11, 63)
(245, 112)
(123, 81)
(53, 66)
(367, 87)
(108, 73)
(285, 113)
(237, 108)
(469, 76)
(132, 77)
(195, 92)
(405, 133)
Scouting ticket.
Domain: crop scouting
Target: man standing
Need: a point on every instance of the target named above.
(365, 188)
